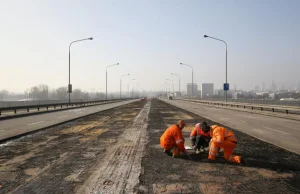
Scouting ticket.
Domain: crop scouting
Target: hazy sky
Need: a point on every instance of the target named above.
(149, 39)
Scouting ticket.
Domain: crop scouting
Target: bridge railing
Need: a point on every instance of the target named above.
(261, 107)
(54, 106)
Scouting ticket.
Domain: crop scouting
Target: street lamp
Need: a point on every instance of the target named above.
(178, 79)
(121, 83)
(168, 85)
(172, 83)
(192, 77)
(106, 77)
(227, 86)
(132, 88)
(70, 86)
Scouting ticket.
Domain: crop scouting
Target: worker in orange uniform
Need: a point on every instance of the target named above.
(223, 138)
(200, 137)
(172, 139)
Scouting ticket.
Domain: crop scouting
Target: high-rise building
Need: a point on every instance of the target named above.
(274, 87)
(256, 88)
(263, 87)
(191, 91)
(207, 90)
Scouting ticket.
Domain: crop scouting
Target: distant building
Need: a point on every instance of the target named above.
(177, 94)
(191, 90)
(256, 88)
(273, 96)
(274, 87)
(237, 95)
(263, 87)
(219, 92)
(207, 90)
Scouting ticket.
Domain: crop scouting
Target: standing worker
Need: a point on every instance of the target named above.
(200, 137)
(223, 138)
(172, 139)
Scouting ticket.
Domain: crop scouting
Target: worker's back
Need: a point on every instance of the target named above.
(168, 138)
(221, 133)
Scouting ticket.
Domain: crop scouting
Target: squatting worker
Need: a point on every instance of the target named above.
(172, 139)
(200, 137)
(223, 138)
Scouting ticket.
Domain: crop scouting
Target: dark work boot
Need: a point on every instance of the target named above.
(168, 152)
(243, 161)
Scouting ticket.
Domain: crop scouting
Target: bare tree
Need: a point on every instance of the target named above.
(62, 93)
(3, 94)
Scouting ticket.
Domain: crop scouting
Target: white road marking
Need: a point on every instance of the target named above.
(36, 123)
(62, 116)
(276, 130)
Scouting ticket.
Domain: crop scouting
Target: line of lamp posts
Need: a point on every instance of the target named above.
(70, 85)
(225, 86)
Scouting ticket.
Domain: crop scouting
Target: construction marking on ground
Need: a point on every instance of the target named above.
(62, 116)
(282, 132)
(36, 123)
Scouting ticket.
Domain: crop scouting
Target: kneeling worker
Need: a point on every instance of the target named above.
(200, 137)
(172, 139)
(223, 138)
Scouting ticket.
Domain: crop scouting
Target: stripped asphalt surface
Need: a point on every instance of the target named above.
(117, 151)
(270, 169)
(70, 158)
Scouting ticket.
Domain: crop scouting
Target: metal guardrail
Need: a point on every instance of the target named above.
(286, 110)
(291, 103)
(55, 106)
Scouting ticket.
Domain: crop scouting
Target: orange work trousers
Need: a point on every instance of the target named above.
(228, 147)
(169, 147)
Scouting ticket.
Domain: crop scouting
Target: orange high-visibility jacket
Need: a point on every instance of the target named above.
(220, 134)
(198, 131)
(171, 137)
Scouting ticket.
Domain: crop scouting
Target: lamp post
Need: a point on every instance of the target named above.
(192, 77)
(178, 79)
(121, 83)
(106, 78)
(169, 87)
(205, 36)
(132, 88)
(70, 86)
(172, 83)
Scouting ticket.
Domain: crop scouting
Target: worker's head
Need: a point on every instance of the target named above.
(181, 124)
(205, 127)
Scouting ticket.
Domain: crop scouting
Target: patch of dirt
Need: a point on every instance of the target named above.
(277, 170)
